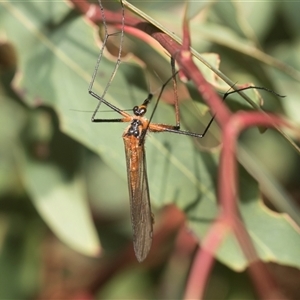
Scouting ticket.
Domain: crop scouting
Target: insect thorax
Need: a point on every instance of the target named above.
(135, 128)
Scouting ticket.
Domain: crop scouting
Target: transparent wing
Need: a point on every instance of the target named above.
(141, 216)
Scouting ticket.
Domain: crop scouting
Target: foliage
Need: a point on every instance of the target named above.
(48, 149)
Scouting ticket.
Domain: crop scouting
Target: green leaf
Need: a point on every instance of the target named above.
(19, 272)
(61, 202)
(193, 8)
(56, 63)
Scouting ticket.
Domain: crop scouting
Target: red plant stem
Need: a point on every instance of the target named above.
(180, 54)
(199, 274)
(204, 260)
(203, 263)
(229, 216)
(228, 192)
(231, 126)
(187, 65)
(237, 123)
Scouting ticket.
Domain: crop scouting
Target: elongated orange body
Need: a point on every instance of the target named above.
(141, 216)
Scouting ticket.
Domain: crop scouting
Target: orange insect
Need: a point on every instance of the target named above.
(134, 141)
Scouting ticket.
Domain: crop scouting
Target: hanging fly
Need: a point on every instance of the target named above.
(134, 141)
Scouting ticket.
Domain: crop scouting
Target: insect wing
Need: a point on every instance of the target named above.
(141, 217)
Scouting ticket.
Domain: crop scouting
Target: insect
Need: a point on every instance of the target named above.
(134, 141)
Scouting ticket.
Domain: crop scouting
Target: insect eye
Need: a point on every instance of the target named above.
(135, 110)
(139, 111)
(142, 111)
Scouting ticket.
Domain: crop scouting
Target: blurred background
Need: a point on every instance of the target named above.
(65, 229)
